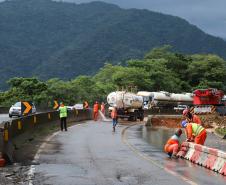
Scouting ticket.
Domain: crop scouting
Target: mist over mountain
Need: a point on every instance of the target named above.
(57, 39)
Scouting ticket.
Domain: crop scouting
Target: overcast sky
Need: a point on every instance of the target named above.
(209, 15)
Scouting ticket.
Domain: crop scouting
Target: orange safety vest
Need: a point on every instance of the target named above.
(171, 141)
(95, 107)
(114, 114)
(193, 130)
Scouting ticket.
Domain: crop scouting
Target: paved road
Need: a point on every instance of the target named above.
(91, 154)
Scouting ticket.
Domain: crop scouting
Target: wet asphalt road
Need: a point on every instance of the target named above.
(91, 154)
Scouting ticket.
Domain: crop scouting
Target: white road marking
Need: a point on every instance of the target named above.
(149, 159)
(31, 172)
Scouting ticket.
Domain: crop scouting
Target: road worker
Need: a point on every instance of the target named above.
(85, 105)
(63, 116)
(102, 108)
(172, 146)
(95, 111)
(114, 117)
(194, 132)
(191, 117)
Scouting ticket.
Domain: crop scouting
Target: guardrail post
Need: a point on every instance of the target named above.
(19, 125)
(35, 119)
(1, 139)
(49, 116)
(76, 112)
(7, 143)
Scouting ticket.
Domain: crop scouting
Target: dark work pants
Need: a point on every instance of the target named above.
(63, 123)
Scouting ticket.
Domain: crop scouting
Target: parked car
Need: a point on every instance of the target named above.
(70, 107)
(180, 107)
(15, 110)
(78, 106)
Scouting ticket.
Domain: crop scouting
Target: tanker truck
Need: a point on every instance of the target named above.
(163, 99)
(129, 105)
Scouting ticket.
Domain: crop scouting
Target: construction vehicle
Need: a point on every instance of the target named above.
(208, 100)
(129, 105)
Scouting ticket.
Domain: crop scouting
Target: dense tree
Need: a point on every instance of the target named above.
(207, 71)
(160, 70)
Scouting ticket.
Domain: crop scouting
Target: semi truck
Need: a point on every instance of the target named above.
(163, 99)
(128, 105)
(200, 101)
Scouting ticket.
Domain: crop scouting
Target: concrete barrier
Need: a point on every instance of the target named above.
(16, 127)
(210, 158)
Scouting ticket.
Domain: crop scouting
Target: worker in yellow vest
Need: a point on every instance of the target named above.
(194, 132)
(63, 116)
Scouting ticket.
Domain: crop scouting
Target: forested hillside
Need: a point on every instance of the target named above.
(49, 39)
(160, 69)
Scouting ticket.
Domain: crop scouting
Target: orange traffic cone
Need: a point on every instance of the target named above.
(2, 161)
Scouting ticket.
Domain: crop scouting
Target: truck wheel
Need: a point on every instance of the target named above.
(142, 118)
(135, 118)
(130, 119)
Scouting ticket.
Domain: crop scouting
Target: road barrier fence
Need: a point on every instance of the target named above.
(10, 130)
(210, 158)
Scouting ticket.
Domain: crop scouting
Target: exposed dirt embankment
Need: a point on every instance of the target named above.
(166, 122)
(209, 121)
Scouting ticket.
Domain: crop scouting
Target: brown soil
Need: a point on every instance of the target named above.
(167, 122)
(209, 121)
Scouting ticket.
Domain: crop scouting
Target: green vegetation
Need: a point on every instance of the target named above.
(161, 69)
(221, 131)
(50, 39)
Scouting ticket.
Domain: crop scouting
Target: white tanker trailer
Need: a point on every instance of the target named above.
(165, 99)
(129, 105)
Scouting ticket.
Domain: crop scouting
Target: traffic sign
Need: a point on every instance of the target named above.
(56, 105)
(26, 107)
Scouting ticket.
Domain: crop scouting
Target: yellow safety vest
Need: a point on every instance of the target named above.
(63, 112)
(196, 129)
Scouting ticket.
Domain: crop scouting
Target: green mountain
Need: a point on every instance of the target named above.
(56, 39)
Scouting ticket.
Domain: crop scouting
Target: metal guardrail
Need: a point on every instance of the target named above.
(16, 127)
(4, 110)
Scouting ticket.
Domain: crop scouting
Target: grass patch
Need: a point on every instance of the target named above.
(221, 131)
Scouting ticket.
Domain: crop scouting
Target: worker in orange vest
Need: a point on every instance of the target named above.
(95, 111)
(172, 146)
(85, 105)
(114, 117)
(102, 108)
(191, 117)
(194, 132)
